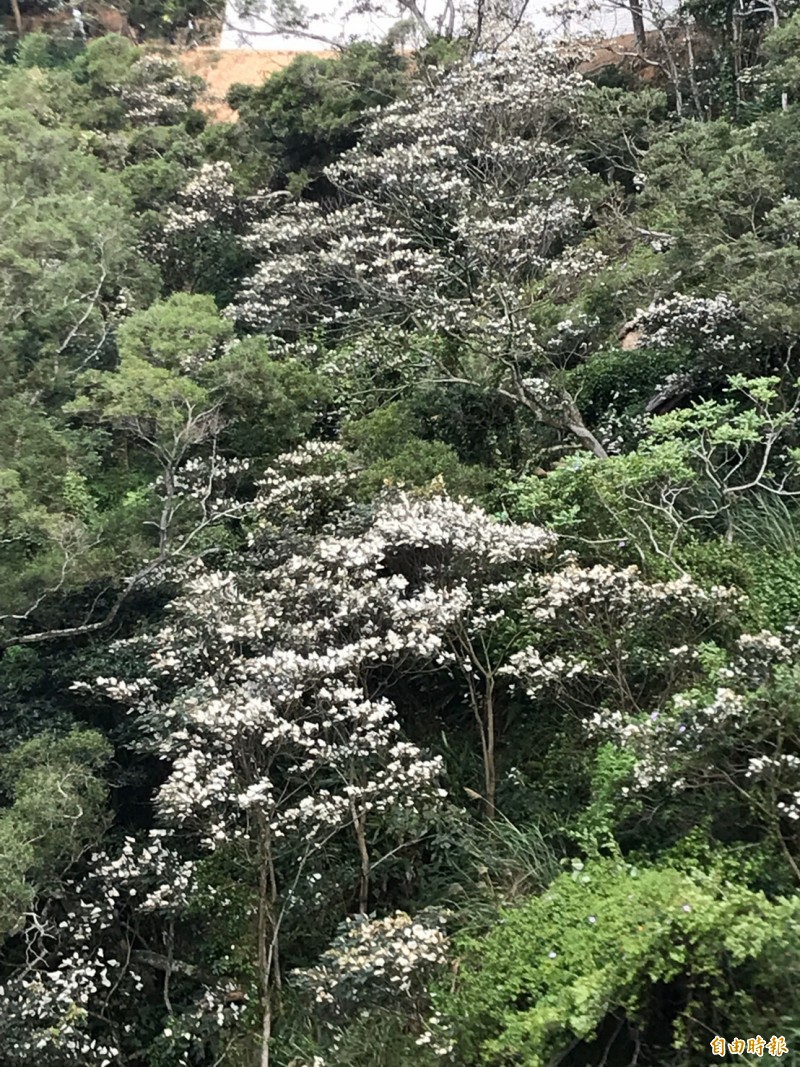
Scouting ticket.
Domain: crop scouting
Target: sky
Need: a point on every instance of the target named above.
(329, 20)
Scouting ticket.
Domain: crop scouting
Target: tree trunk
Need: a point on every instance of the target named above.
(17, 16)
(587, 439)
(637, 19)
(568, 418)
(363, 851)
(264, 962)
(482, 704)
(673, 71)
(692, 69)
(490, 769)
(576, 426)
(266, 1033)
(268, 965)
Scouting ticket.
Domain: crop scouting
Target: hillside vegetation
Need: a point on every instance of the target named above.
(400, 555)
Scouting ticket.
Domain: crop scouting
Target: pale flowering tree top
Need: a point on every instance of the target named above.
(456, 199)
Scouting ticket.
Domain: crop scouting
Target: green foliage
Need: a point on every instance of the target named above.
(705, 165)
(61, 264)
(106, 61)
(641, 369)
(306, 115)
(153, 183)
(154, 393)
(45, 52)
(596, 826)
(57, 807)
(715, 188)
(620, 124)
(269, 405)
(777, 135)
(695, 478)
(179, 334)
(774, 585)
(154, 404)
(585, 498)
(387, 442)
(371, 1040)
(480, 428)
(673, 955)
(782, 49)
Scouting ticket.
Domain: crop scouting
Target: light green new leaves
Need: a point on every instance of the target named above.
(154, 393)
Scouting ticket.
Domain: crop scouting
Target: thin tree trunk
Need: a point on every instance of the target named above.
(264, 960)
(490, 768)
(17, 16)
(637, 18)
(363, 851)
(587, 439)
(578, 427)
(687, 29)
(673, 71)
(268, 965)
(736, 37)
(569, 418)
(170, 938)
(266, 1033)
(483, 712)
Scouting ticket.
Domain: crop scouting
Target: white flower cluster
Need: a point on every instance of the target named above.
(540, 674)
(271, 670)
(578, 261)
(715, 325)
(151, 872)
(605, 645)
(276, 666)
(663, 741)
(208, 198)
(51, 1007)
(381, 365)
(692, 735)
(207, 480)
(216, 1011)
(157, 93)
(377, 960)
(620, 431)
(604, 591)
(303, 491)
(782, 770)
(759, 654)
(267, 687)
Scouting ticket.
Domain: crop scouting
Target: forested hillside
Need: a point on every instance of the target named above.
(400, 555)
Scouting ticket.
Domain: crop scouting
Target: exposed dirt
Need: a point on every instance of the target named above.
(614, 52)
(221, 70)
(622, 52)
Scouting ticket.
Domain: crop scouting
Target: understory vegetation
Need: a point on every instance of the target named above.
(400, 556)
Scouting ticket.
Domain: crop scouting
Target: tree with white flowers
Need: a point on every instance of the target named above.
(267, 688)
(90, 954)
(458, 201)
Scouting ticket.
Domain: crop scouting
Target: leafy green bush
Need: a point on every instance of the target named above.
(611, 960)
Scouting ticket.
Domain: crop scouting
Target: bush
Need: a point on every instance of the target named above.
(613, 959)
